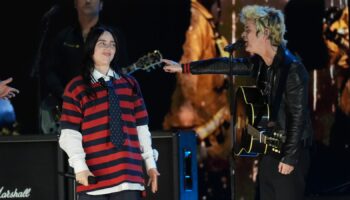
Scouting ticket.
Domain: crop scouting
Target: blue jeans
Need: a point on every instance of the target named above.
(123, 195)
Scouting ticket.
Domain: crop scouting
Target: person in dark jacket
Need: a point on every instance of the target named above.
(66, 51)
(281, 176)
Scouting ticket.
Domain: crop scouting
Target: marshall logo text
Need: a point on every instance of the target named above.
(9, 194)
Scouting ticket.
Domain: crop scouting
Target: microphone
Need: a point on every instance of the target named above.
(91, 179)
(239, 44)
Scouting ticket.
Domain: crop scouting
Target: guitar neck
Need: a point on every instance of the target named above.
(256, 134)
(147, 63)
(274, 140)
(130, 69)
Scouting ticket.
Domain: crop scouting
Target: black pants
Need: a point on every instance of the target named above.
(123, 195)
(276, 186)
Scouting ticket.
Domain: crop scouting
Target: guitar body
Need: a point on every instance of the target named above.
(250, 108)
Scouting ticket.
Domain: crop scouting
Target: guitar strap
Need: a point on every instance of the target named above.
(280, 89)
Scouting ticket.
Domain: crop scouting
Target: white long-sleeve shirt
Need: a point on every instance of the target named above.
(71, 142)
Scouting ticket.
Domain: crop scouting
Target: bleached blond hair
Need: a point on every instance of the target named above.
(266, 18)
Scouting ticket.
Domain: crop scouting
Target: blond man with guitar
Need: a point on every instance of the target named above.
(282, 81)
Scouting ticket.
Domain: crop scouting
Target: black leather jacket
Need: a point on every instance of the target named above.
(293, 115)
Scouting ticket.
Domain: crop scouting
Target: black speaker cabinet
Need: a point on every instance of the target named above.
(29, 168)
(177, 165)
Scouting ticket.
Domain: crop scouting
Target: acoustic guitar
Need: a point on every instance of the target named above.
(252, 136)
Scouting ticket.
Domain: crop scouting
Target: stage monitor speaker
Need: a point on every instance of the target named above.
(177, 165)
(29, 168)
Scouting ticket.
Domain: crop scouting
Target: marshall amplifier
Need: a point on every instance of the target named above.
(177, 165)
(29, 168)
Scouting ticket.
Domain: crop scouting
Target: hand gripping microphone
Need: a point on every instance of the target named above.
(91, 179)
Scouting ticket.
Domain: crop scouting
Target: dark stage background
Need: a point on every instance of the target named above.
(147, 25)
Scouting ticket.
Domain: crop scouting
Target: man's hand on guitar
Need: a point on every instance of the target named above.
(285, 168)
(171, 66)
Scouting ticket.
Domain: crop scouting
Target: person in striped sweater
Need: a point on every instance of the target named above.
(85, 130)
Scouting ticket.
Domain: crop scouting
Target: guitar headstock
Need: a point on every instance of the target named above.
(147, 62)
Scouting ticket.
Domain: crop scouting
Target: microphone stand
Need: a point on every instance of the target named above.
(35, 72)
(232, 111)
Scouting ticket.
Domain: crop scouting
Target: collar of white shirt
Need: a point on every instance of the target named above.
(97, 75)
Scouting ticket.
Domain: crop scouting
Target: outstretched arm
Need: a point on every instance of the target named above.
(239, 66)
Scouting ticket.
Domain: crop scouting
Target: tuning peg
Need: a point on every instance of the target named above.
(276, 150)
